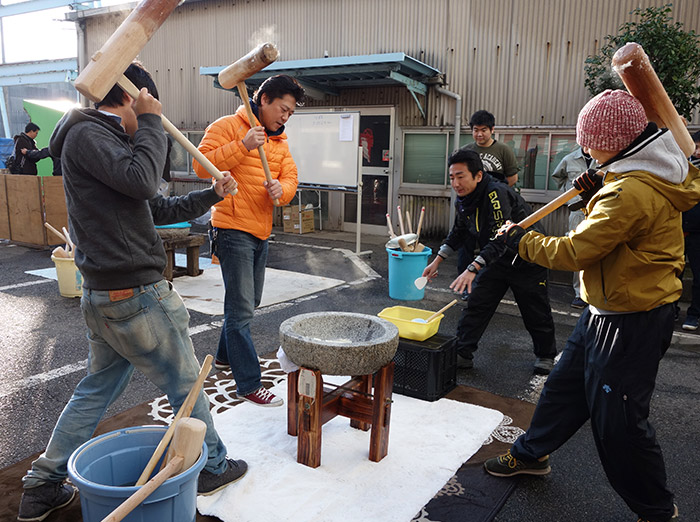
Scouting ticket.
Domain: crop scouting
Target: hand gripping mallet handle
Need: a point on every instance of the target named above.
(632, 64)
(132, 91)
(235, 75)
(251, 118)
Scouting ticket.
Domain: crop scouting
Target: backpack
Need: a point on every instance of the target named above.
(11, 163)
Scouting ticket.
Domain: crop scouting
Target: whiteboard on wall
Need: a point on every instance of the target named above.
(324, 146)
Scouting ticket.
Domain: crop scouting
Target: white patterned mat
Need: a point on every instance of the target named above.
(428, 442)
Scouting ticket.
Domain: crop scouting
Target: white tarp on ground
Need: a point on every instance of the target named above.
(428, 442)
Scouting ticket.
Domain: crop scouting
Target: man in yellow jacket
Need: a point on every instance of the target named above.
(630, 249)
(241, 225)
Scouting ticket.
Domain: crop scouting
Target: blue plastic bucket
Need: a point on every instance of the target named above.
(103, 466)
(404, 269)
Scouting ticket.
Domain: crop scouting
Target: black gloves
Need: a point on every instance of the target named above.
(510, 235)
(588, 183)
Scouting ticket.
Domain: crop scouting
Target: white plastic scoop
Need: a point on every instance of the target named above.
(421, 320)
(421, 282)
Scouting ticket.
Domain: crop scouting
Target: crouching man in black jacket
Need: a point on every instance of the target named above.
(483, 204)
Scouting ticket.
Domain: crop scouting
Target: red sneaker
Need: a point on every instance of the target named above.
(262, 397)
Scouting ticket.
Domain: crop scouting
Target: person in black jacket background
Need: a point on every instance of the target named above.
(691, 229)
(483, 205)
(26, 153)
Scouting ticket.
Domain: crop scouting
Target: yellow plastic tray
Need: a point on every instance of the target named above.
(402, 317)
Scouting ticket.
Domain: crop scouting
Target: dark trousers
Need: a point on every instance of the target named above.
(692, 251)
(607, 374)
(529, 285)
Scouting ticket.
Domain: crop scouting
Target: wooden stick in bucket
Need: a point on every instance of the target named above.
(184, 411)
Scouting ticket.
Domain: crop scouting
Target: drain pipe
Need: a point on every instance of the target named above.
(458, 122)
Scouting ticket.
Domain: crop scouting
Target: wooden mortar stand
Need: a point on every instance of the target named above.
(354, 400)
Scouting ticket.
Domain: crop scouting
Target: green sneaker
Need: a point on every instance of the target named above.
(507, 465)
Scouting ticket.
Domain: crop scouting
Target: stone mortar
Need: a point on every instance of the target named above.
(339, 343)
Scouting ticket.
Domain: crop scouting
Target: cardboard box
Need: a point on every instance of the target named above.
(290, 220)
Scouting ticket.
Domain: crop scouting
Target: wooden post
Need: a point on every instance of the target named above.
(309, 425)
(381, 413)
(365, 387)
(292, 402)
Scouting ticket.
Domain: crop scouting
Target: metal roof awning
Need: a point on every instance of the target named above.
(321, 76)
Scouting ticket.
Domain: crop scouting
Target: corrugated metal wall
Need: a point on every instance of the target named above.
(437, 213)
(523, 60)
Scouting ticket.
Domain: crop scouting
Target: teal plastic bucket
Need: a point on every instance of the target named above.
(404, 269)
(105, 468)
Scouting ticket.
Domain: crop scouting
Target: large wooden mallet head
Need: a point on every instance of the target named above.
(632, 64)
(109, 63)
(243, 68)
(236, 74)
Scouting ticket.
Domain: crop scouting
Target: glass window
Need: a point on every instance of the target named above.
(179, 159)
(531, 151)
(561, 146)
(375, 132)
(465, 139)
(425, 158)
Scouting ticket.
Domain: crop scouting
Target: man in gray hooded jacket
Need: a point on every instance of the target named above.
(112, 159)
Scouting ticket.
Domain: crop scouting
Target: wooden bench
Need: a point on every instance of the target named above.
(191, 243)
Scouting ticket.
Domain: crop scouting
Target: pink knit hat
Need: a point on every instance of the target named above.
(610, 121)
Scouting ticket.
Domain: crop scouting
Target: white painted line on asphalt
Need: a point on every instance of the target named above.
(81, 366)
(28, 283)
(42, 378)
(359, 263)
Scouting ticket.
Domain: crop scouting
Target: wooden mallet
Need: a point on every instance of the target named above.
(106, 67)
(184, 411)
(632, 64)
(185, 451)
(236, 74)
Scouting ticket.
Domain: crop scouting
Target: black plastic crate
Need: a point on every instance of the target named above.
(426, 369)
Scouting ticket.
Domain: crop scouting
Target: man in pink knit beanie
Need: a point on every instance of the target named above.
(630, 251)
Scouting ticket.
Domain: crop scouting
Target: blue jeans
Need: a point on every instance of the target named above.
(148, 331)
(242, 258)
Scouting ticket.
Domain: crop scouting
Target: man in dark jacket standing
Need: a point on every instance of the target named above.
(112, 160)
(27, 154)
(483, 204)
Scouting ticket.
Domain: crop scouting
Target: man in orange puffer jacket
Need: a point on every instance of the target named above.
(241, 224)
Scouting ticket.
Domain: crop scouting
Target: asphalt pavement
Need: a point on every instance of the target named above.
(44, 352)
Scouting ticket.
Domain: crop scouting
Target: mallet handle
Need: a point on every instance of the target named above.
(132, 91)
(142, 494)
(184, 411)
(243, 93)
(548, 208)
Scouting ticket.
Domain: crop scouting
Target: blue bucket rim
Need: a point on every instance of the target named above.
(395, 252)
(79, 480)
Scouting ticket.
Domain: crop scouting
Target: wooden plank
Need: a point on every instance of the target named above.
(309, 425)
(366, 387)
(292, 402)
(25, 209)
(379, 436)
(55, 212)
(4, 211)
